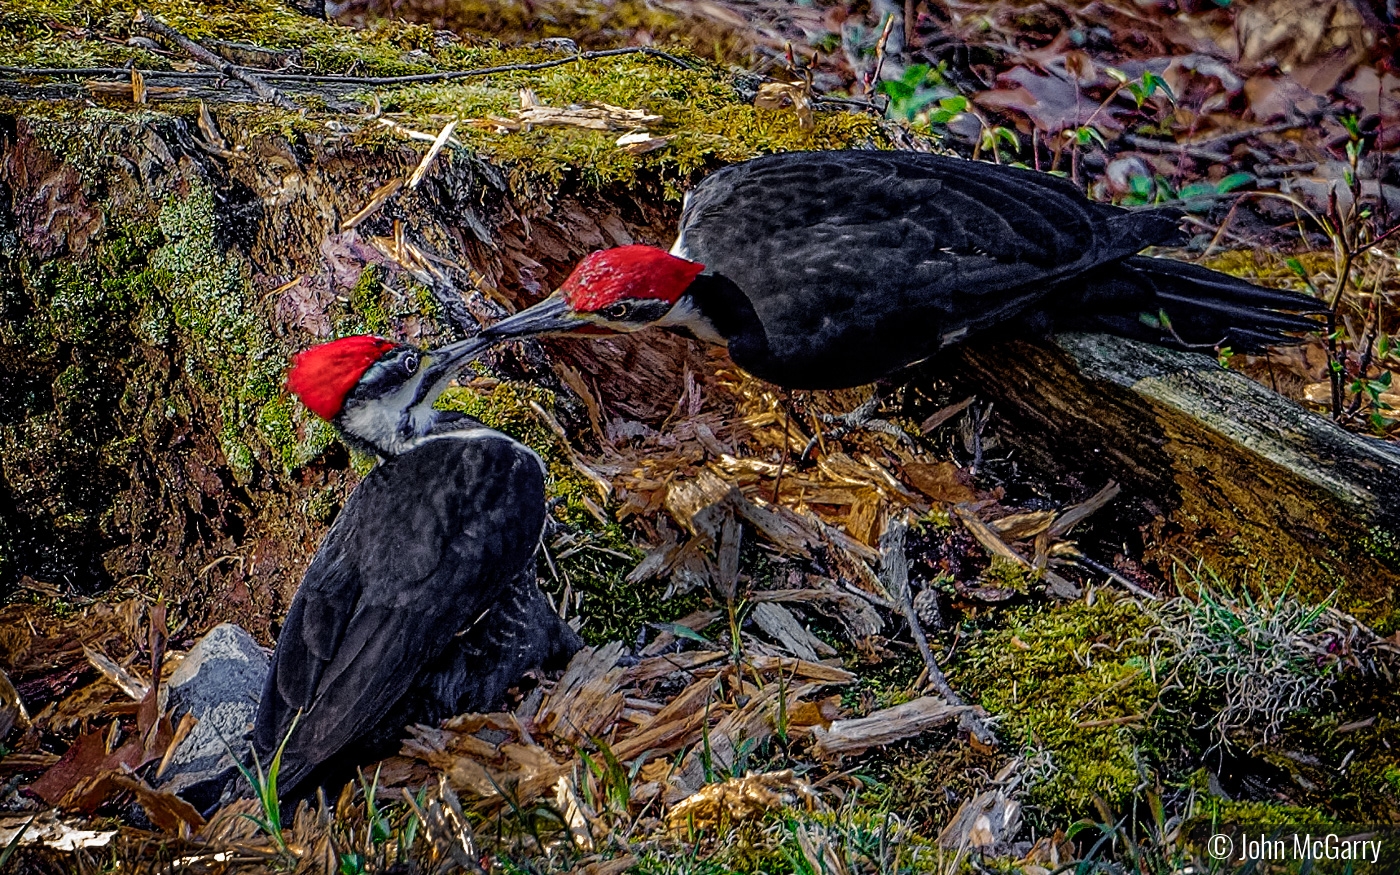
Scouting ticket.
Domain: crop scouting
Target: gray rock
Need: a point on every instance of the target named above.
(219, 682)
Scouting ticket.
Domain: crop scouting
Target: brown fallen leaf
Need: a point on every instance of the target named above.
(82, 759)
(167, 811)
(941, 481)
(787, 95)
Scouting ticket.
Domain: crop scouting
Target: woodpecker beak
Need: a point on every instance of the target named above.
(550, 316)
(442, 365)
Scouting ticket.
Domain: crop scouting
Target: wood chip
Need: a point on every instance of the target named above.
(593, 116)
(780, 624)
(1076, 514)
(12, 711)
(740, 800)
(848, 737)
(378, 199)
(438, 143)
(124, 680)
(988, 823)
(945, 414)
(1023, 526)
(941, 481)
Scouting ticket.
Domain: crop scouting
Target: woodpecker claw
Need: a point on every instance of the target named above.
(862, 418)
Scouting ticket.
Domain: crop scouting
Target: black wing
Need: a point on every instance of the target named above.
(425, 544)
(835, 250)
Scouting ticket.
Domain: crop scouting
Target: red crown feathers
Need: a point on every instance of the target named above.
(323, 375)
(634, 271)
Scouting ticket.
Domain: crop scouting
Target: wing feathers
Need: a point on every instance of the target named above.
(426, 543)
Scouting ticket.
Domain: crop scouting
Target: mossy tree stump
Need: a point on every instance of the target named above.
(158, 266)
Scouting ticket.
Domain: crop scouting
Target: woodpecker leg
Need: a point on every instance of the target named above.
(863, 418)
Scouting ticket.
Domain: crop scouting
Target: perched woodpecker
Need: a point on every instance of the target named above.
(422, 601)
(823, 270)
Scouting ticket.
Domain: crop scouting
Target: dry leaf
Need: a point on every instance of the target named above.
(787, 95)
(941, 481)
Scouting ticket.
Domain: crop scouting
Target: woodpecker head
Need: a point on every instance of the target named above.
(614, 291)
(377, 393)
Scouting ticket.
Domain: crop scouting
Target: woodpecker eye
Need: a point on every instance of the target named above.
(410, 364)
(617, 312)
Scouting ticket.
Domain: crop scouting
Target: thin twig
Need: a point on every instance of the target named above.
(880, 52)
(1079, 558)
(1147, 144)
(895, 571)
(204, 56)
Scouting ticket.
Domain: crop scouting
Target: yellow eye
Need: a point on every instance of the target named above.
(617, 312)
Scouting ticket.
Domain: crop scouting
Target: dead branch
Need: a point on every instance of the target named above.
(205, 56)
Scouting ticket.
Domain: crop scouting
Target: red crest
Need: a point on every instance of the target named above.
(635, 271)
(323, 375)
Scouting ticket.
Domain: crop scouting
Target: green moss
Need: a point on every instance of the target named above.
(1006, 574)
(176, 287)
(1391, 776)
(323, 504)
(50, 33)
(208, 302)
(702, 116)
(424, 302)
(1266, 815)
(1069, 682)
(700, 113)
(1385, 546)
(367, 297)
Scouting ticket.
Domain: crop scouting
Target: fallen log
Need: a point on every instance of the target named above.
(1215, 468)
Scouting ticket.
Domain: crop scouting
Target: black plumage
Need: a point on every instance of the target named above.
(421, 602)
(833, 269)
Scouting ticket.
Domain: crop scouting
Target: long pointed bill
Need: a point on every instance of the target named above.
(443, 364)
(550, 316)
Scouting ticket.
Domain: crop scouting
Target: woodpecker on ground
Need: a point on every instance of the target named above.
(422, 600)
(824, 270)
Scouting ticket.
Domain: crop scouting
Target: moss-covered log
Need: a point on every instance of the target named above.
(1215, 467)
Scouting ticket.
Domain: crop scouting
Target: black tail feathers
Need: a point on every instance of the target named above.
(1176, 304)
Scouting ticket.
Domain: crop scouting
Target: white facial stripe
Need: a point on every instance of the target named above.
(378, 421)
(688, 316)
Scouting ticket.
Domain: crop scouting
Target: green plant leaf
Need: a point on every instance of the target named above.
(680, 631)
(1234, 181)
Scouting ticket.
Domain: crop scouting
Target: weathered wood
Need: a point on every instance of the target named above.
(850, 737)
(1215, 466)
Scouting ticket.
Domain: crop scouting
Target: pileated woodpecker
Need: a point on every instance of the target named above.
(822, 270)
(422, 600)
